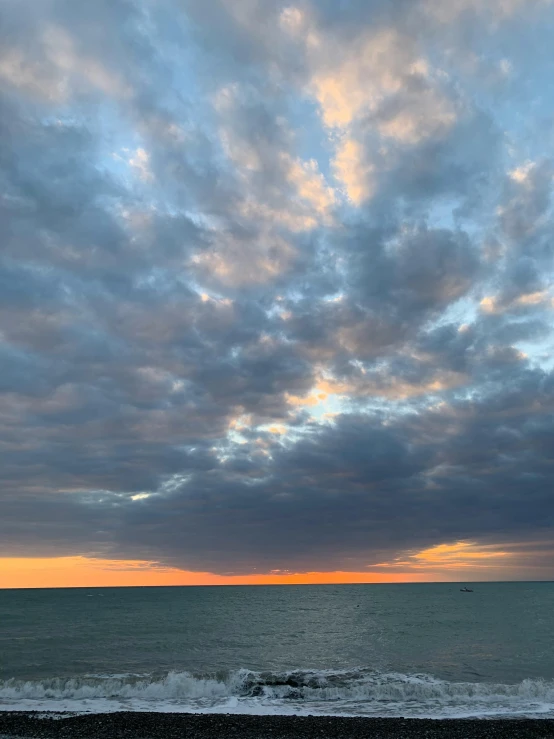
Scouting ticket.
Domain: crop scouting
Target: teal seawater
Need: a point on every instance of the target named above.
(428, 649)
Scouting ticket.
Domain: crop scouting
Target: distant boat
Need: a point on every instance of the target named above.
(466, 590)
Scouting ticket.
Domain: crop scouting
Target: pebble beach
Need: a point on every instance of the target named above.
(125, 725)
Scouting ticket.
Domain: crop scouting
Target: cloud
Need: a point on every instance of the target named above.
(496, 11)
(351, 170)
(275, 284)
(527, 199)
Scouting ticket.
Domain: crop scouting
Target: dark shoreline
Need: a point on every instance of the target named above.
(129, 725)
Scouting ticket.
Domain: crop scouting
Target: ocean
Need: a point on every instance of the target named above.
(424, 650)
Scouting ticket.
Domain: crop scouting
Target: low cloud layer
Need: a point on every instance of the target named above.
(276, 281)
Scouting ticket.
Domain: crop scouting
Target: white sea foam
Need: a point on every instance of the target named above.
(348, 692)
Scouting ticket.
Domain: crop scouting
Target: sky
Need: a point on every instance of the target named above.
(276, 296)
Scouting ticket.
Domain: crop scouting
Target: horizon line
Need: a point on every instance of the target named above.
(270, 585)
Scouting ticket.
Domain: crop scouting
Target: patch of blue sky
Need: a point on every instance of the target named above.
(117, 144)
(385, 407)
(441, 213)
(173, 483)
(326, 409)
(172, 35)
(234, 437)
(311, 137)
(462, 312)
(509, 79)
(522, 104)
(539, 353)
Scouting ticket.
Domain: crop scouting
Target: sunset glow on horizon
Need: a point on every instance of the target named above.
(457, 562)
(70, 572)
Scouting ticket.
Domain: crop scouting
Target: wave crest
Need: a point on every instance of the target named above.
(296, 685)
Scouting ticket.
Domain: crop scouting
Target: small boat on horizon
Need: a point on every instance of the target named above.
(466, 590)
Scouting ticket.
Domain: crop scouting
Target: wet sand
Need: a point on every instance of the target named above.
(126, 725)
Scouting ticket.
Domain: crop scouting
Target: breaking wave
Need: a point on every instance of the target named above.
(348, 692)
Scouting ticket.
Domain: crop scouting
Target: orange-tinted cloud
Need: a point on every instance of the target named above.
(459, 554)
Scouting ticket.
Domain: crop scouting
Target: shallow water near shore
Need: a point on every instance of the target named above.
(425, 650)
